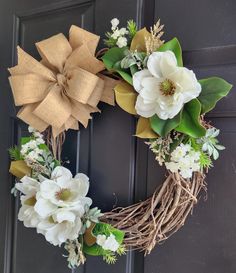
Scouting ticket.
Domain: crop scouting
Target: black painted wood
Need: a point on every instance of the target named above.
(121, 168)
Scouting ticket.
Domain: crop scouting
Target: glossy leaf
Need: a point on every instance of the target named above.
(126, 97)
(174, 46)
(213, 89)
(190, 122)
(112, 56)
(112, 59)
(144, 130)
(163, 127)
(138, 42)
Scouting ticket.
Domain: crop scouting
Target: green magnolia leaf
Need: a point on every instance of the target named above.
(126, 76)
(112, 56)
(174, 46)
(163, 127)
(189, 124)
(112, 60)
(213, 89)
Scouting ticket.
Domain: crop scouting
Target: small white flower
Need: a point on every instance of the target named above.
(172, 166)
(108, 243)
(185, 160)
(101, 239)
(180, 152)
(111, 243)
(34, 154)
(114, 23)
(123, 31)
(38, 135)
(40, 141)
(164, 87)
(116, 34)
(31, 129)
(121, 42)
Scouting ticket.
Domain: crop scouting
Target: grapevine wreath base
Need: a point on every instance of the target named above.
(154, 220)
(63, 89)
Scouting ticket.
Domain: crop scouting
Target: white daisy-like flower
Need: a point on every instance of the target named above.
(121, 42)
(164, 87)
(63, 191)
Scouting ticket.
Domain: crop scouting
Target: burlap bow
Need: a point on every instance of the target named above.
(64, 87)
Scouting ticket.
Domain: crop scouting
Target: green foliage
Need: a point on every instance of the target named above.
(132, 28)
(121, 250)
(14, 153)
(163, 127)
(210, 143)
(205, 161)
(133, 58)
(213, 89)
(109, 42)
(110, 257)
(174, 46)
(25, 140)
(190, 122)
(112, 61)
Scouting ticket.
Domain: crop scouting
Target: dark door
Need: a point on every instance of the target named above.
(120, 167)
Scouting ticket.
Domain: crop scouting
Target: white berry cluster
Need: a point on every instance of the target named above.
(30, 150)
(185, 160)
(108, 243)
(118, 34)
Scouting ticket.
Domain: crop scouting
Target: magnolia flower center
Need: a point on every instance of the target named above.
(167, 87)
(63, 194)
(31, 201)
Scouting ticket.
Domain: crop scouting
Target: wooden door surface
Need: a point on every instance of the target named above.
(120, 167)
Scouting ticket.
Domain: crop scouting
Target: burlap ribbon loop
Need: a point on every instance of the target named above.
(64, 88)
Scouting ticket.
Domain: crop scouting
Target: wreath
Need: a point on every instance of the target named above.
(146, 76)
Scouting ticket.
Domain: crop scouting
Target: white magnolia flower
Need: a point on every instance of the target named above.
(61, 226)
(28, 186)
(164, 87)
(108, 243)
(185, 160)
(27, 214)
(121, 42)
(63, 191)
(114, 23)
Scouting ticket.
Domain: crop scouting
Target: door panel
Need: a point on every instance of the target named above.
(120, 167)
